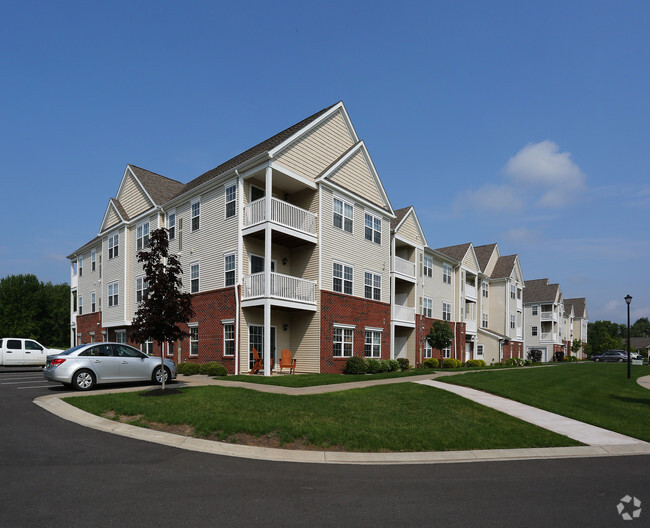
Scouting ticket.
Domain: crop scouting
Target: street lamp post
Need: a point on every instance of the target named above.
(628, 300)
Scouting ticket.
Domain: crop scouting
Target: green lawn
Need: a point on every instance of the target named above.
(595, 393)
(400, 417)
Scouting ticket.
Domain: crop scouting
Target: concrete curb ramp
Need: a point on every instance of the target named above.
(616, 445)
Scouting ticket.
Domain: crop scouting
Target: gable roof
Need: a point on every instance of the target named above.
(503, 267)
(160, 188)
(539, 290)
(579, 305)
(400, 214)
(455, 252)
(483, 254)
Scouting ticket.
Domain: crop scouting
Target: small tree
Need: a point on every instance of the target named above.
(165, 305)
(576, 345)
(440, 335)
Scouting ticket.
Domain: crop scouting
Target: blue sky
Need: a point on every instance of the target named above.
(522, 123)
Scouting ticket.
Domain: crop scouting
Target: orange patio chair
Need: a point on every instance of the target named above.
(287, 362)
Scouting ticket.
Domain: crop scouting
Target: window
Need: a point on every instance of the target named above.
(170, 348)
(141, 289)
(92, 302)
(513, 291)
(74, 267)
(428, 351)
(446, 273)
(120, 336)
(446, 311)
(484, 320)
(373, 228)
(229, 269)
(485, 289)
(372, 286)
(196, 213)
(518, 293)
(343, 215)
(142, 236)
(446, 352)
(342, 278)
(93, 260)
(229, 339)
(533, 331)
(81, 266)
(80, 305)
(171, 225)
(427, 307)
(534, 309)
(74, 300)
(512, 322)
(194, 340)
(113, 294)
(479, 351)
(343, 338)
(194, 276)
(147, 347)
(231, 197)
(428, 266)
(372, 346)
(114, 246)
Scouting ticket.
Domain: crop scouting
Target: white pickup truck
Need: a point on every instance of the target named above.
(19, 352)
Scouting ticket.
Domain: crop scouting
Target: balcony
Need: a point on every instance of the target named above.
(470, 326)
(404, 267)
(403, 314)
(548, 316)
(291, 219)
(519, 304)
(470, 291)
(548, 336)
(283, 288)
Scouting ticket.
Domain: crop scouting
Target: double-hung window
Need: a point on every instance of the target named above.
(513, 291)
(142, 238)
(342, 278)
(342, 341)
(372, 345)
(196, 214)
(428, 350)
(81, 265)
(92, 302)
(446, 311)
(113, 294)
(343, 213)
(373, 228)
(534, 308)
(114, 246)
(229, 269)
(446, 273)
(427, 307)
(372, 286)
(93, 260)
(194, 277)
(231, 200)
(81, 305)
(194, 340)
(446, 352)
(485, 289)
(141, 289)
(533, 330)
(428, 266)
(171, 225)
(512, 322)
(479, 352)
(229, 339)
(484, 320)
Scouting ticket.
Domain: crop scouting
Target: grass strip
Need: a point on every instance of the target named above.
(594, 393)
(401, 417)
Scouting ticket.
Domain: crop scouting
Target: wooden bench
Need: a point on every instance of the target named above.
(286, 361)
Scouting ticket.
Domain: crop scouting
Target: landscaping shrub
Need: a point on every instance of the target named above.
(355, 365)
(527, 362)
(373, 366)
(514, 362)
(451, 363)
(213, 368)
(475, 363)
(535, 356)
(431, 363)
(559, 355)
(187, 368)
(393, 365)
(403, 364)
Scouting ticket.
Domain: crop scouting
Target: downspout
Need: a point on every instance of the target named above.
(240, 201)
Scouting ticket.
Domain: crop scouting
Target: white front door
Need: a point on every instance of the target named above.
(468, 351)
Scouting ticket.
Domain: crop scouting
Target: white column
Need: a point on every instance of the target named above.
(267, 272)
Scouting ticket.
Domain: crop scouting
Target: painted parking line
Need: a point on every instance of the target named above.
(35, 387)
(20, 382)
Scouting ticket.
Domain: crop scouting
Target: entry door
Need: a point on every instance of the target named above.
(256, 340)
(468, 351)
(257, 264)
(400, 346)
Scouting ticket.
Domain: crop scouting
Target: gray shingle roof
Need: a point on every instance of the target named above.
(539, 290)
(483, 254)
(160, 188)
(503, 267)
(579, 305)
(399, 216)
(455, 252)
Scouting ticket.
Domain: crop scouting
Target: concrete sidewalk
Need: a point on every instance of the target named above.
(600, 441)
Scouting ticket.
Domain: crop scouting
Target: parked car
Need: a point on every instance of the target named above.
(20, 352)
(84, 366)
(615, 355)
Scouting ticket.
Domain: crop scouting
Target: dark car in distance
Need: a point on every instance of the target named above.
(614, 356)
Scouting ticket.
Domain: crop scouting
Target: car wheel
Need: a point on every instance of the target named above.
(596, 360)
(83, 380)
(620, 360)
(157, 378)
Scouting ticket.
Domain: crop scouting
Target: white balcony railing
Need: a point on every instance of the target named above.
(282, 287)
(548, 336)
(282, 213)
(470, 291)
(404, 267)
(403, 313)
(470, 325)
(549, 316)
(519, 304)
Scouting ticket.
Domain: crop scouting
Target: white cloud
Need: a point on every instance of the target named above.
(553, 173)
(490, 197)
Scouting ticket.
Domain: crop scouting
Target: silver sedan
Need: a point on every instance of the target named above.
(84, 366)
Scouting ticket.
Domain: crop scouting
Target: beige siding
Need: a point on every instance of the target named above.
(132, 197)
(490, 348)
(439, 291)
(352, 248)
(111, 218)
(89, 281)
(470, 262)
(323, 145)
(113, 271)
(356, 176)
(492, 262)
(409, 230)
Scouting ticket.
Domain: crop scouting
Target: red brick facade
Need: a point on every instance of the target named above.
(513, 349)
(89, 328)
(422, 328)
(337, 308)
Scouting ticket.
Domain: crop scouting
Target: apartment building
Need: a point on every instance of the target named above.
(578, 325)
(291, 244)
(545, 328)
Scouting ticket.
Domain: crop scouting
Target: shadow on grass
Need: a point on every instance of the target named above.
(160, 392)
(625, 399)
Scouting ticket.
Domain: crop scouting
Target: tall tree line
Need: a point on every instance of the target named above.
(605, 335)
(33, 309)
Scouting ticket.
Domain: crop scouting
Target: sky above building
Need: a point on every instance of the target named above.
(521, 123)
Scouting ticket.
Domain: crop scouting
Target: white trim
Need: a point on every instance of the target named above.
(308, 183)
(344, 325)
(373, 329)
(228, 321)
(345, 202)
(355, 197)
(409, 242)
